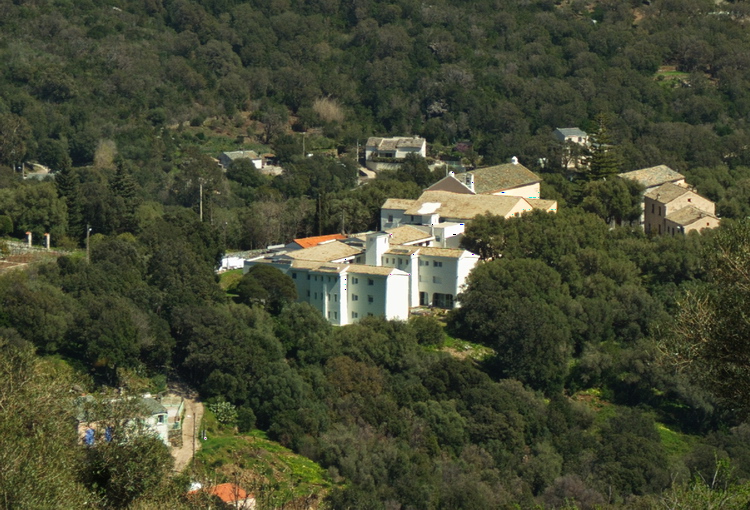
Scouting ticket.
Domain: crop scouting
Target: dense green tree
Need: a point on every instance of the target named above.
(517, 308)
(267, 286)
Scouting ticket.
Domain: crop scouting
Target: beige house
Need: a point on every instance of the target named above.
(512, 179)
(433, 208)
(653, 177)
(673, 209)
(574, 142)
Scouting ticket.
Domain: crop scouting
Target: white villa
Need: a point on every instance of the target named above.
(396, 148)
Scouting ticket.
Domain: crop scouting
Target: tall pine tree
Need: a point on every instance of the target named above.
(68, 188)
(604, 159)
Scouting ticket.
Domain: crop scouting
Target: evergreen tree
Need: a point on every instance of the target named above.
(125, 200)
(68, 188)
(603, 160)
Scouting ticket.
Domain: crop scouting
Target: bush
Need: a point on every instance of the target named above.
(225, 412)
(245, 419)
(6, 225)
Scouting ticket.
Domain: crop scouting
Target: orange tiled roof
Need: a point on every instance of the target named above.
(228, 492)
(309, 242)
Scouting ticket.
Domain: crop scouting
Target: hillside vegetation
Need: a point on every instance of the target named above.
(604, 368)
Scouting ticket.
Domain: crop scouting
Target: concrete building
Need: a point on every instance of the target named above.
(377, 273)
(227, 158)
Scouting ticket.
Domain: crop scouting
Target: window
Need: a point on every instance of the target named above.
(329, 315)
(437, 279)
(390, 218)
(659, 210)
(294, 276)
(370, 299)
(437, 238)
(329, 296)
(370, 281)
(335, 298)
(355, 280)
(316, 296)
(355, 297)
(435, 263)
(355, 315)
(308, 277)
(336, 315)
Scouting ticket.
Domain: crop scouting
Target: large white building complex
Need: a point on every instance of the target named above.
(377, 273)
(415, 260)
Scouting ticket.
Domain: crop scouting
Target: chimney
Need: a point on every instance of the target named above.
(470, 181)
(376, 245)
(28, 238)
(451, 173)
(46, 240)
(514, 160)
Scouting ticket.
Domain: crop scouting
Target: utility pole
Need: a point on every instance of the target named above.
(88, 251)
(201, 199)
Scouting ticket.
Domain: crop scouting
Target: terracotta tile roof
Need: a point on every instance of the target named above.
(227, 492)
(309, 242)
(497, 178)
(653, 176)
(667, 193)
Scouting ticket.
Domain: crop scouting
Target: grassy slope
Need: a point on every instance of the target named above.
(275, 474)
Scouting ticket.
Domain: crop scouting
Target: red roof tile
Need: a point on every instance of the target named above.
(309, 242)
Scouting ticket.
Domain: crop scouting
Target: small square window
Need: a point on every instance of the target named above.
(370, 299)
(355, 280)
(370, 281)
(355, 315)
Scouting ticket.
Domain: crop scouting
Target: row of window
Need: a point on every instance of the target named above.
(370, 299)
(435, 279)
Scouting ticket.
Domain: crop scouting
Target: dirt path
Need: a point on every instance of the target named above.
(190, 427)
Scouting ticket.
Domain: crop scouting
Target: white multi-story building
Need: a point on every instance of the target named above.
(377, 273)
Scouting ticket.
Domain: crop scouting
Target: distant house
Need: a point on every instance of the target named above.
(653, 177)
(227, 158)
(511, 179)
(673, 209)
(230, 494)
(148, 417)
(574, 140)
(395, 148)
(573, 135)
(434, 208)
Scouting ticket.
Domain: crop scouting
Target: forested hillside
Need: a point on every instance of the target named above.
(616, 373)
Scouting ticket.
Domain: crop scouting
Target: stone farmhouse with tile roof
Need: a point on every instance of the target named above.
(511, 179)
(673, 209)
